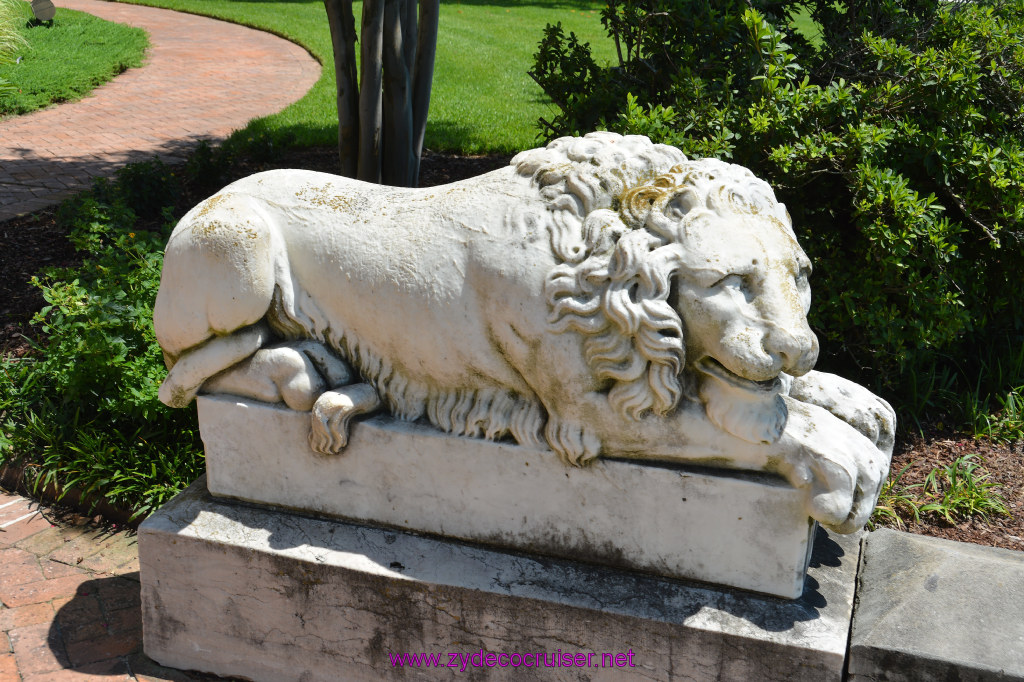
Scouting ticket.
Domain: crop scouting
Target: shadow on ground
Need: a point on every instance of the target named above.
(34, 179)
(99, 632)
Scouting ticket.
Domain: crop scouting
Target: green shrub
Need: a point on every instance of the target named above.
(894, 136)
(83, 409)
(145, 187)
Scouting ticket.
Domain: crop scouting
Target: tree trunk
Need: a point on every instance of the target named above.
(409, 24)
(423, 76)
(397, 139)
(370, 90)
(382, 114)
(343, 40)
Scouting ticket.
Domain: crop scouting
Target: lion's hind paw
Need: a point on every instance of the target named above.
(332, 413)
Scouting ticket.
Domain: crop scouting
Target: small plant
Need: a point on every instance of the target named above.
(961, 490)
(895, 504)
(146, 187)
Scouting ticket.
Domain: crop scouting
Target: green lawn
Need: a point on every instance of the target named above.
(482, 99)
(66, 60)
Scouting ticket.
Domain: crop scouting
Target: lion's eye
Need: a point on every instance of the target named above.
(739, 284)
(734, 281)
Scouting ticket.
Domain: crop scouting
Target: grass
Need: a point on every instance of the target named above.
(983, 393)
(10, 39)
(895, 503)
(482, 100)
(960, 490)
(957, 491)
(65, 59)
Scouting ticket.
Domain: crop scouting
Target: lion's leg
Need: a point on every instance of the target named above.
(209, 313)
(206, 295)
(573, 443)
(851, 402)
(332, 413)
(196, 365)
(293, 373)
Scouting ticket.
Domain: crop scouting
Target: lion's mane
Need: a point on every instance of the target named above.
(620, 253)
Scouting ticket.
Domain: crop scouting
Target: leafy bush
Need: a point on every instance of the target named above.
(145, 188)
(893, 134)
(83, 409)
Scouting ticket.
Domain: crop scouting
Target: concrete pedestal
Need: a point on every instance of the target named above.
(731, 528)
(271, 595)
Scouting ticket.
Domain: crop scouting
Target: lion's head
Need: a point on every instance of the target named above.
(684, 278)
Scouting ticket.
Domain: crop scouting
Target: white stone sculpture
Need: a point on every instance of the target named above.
(600, 296)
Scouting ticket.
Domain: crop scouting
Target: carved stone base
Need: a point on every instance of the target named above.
(270, 595)
(742, 530)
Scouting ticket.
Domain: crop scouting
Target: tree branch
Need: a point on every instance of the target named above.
(967, 214)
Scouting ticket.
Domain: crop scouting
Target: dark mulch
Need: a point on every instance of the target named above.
(30, 244)
(27, 246)
(1004, 463)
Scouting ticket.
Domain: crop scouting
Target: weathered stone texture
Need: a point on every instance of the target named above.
(627, 514)
(269, 595)
(931, 609)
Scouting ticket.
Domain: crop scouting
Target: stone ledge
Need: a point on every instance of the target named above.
(625, 514)
(270, 595)
(930, 609)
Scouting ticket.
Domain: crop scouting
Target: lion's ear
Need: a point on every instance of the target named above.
(682, 203)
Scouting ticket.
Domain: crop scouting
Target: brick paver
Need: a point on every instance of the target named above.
(69, 601)
(202, 79)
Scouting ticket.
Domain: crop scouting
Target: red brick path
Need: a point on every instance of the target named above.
(69, 600)
(202, 79)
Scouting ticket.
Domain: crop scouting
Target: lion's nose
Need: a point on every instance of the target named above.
(796, 352)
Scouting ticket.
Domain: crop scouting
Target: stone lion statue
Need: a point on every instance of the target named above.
(601, 296)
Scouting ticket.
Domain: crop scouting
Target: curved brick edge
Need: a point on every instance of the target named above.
(203, 78)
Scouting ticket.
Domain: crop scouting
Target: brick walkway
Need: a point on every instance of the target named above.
(202, 79)
(69, 600)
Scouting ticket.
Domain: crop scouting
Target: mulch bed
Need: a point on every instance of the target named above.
(1003, 462)
(32, 243)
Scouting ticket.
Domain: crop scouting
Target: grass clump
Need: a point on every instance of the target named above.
(895, 503)
(63, 60)
(953, 492)
(83, 409)
(10, 41)
(960, 490)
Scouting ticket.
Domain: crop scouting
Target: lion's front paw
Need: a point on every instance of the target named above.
(841, 470)
(851, 402)
(841, 494)
(332, 413)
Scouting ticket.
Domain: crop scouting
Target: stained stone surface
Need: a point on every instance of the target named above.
(932, 609)
(741, 530)
(269, 595)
